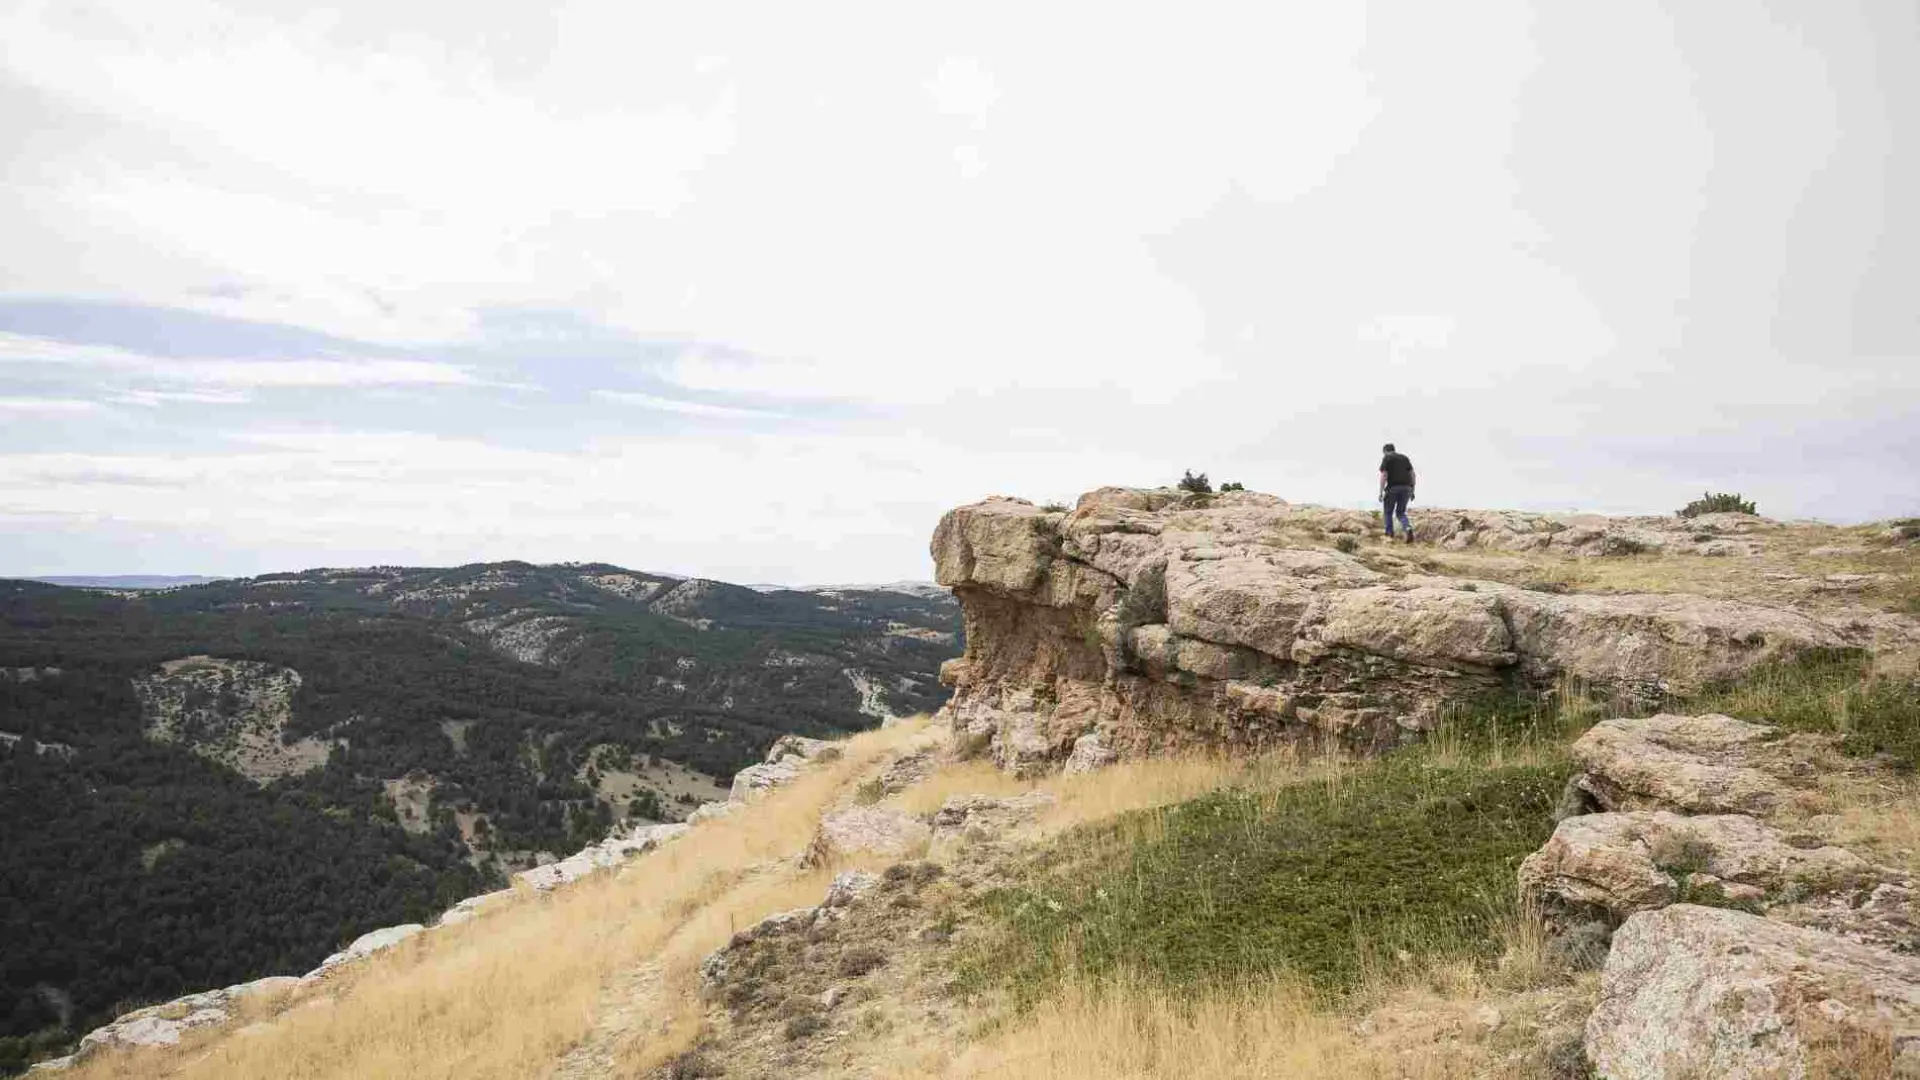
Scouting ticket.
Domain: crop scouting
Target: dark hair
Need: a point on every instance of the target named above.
(1387, 449)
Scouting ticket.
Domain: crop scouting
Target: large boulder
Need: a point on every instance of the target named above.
(1618, 863)
(1697, 991)
(1697, 764)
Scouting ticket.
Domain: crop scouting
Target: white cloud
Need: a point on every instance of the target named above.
(47, 406)
(259, 374)
(685, 408)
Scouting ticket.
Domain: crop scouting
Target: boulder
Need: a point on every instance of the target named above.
(1090, 754)
(985, 816)
(865, 830)
(1698, 764)
(1619, 863)
(785, 761)
(1697, 991)
(367, 944)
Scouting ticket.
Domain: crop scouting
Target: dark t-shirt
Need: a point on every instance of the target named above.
(1399, 470)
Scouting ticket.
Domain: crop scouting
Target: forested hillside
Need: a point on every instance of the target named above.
(208, 783)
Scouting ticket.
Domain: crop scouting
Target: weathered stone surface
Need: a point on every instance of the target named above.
(1655, 643)
(785, 761)
(1620, 863)
(367, 944)
(1695, 991)
(610, 852)
(1699, 764)
(1424, 625)
(866, 830)
(1090, 753)
(986, 816)
(164, 1024)
(1001, 544)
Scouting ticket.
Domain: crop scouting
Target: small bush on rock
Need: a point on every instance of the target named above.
(1232, 486)
(1722, 503)
(1196, 484)
(1346, 544)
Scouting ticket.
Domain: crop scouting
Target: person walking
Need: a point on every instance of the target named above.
(1396, 489)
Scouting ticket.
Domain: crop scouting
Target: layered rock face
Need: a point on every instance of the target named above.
(1148, 621)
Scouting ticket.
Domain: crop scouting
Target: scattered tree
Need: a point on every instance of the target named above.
(1196, 484)
(1722, 503)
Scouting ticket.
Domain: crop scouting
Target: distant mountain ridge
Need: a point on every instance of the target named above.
(126, 581)
(382, 740)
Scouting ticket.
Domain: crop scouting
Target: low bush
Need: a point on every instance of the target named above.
(1196, 484)
(1346, 544)
(1232, 486)
(1722, 503)
(1831, 691)
(1401, 860)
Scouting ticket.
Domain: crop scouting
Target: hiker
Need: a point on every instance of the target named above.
(1396, 489)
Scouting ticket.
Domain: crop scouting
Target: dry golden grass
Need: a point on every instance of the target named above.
(509, 994)
(1450, 1024)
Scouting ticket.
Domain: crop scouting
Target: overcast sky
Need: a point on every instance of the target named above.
(756, 291)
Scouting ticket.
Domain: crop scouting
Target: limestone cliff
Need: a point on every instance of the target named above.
(1148, 620)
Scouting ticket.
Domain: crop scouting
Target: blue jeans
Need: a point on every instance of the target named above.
(1395, 502)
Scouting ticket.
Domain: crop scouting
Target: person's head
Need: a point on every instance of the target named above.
(1387, 449)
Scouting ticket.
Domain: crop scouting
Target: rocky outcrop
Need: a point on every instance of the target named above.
(610, 852)
(987, 816)
(785, 761)
(866, 830)
(1697, 764)
(1615, 864)
(1697, 991)
(1157, 620)
(845, 890)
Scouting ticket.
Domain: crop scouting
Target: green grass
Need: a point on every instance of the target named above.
(1830, 692)
(1398, 860)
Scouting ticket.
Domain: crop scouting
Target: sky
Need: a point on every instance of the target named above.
(756, 291)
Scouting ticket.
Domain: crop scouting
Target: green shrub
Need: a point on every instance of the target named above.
(870, 792)
(1834, 691)
(1326, 881)
(1232, 486)
(861, 959)
(1721, 503)
(1146, 600)
(1196, 484)
(802, 1026)
(1055, 507)
(1347, 544)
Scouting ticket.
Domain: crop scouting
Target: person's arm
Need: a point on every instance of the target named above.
(1383, 483)
(1413, 480)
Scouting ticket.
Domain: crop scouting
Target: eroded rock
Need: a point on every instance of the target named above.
(987, 816)
(866, 830)
(1698, 764)
(1619, 863)
(1697, 991)
(1166, 621)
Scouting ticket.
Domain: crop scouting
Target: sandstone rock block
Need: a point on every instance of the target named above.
(866, 830)
(367, 944)
(1620, 863)
(1699, 764)
(1422, 625)
(1695, 991)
